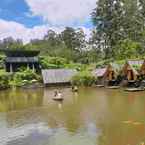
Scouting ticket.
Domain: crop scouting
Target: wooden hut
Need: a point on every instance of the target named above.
(131, 69)
(107, 75)
(112, 72)
(16, 59)
(57, 76)
(99, 73)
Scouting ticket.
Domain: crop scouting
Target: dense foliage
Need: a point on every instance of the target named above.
(120, 28)
(4, 80)
(84, 78)
(24, 77)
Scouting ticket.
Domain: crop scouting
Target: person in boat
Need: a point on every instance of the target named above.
(58, 95)
(55, 93)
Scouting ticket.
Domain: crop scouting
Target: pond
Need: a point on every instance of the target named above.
(94, 116)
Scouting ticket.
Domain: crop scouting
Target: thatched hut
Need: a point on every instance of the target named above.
(131, 69)
(112, 73)
(107, 75)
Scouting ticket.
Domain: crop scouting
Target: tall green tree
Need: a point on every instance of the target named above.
(118, 20)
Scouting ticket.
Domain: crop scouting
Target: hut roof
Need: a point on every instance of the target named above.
(54, 76)
(21, 59)
(99, 72)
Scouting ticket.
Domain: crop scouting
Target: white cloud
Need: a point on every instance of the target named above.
(56, 13)
(17, 30)
(62, 12)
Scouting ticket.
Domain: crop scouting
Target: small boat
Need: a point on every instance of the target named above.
(134, 89)
(100, 86)
(57, 99)
(113, 87)
(58, 96)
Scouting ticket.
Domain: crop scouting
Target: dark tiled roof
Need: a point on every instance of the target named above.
(21, 59)
(54, 76)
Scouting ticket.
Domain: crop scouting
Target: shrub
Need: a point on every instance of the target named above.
(24, 77)
(4, 80)
(83, 79)
(52, 62)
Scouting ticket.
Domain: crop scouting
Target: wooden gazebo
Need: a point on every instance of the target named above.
(16, 59)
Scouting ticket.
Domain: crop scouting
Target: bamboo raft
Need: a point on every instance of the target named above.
(100, 86)
(113, 87)
(134, 89)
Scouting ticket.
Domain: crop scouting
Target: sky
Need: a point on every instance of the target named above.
(31, 19)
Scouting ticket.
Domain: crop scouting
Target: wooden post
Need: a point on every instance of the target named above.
(33, 67)
(11, 67)
(27, 66)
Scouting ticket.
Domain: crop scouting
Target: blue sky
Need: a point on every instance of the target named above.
(20, 18)
(17, 10)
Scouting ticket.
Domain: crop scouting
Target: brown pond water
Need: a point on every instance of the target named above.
(91, 117)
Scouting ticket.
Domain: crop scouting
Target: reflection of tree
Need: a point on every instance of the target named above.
(121, 134)
(121, 108)
(20, 99)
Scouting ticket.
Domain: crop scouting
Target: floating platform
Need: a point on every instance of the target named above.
(100, 86)
(113, 87)
(134, 89)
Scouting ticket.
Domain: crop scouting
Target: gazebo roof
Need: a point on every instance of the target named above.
(20, 53)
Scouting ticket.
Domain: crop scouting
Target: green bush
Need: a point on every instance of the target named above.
(24, 77)
(52, 62)
(2, 57)
(4, 80)
(83, 79)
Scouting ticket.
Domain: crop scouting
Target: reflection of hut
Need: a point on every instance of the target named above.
(15, 59)
(131, 70)
(58, 76)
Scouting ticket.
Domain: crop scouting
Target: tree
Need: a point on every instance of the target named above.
(118, 20)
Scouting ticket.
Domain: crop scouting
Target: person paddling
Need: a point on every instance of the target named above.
(75, 88)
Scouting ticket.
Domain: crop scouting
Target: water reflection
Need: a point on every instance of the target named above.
(91, 116)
